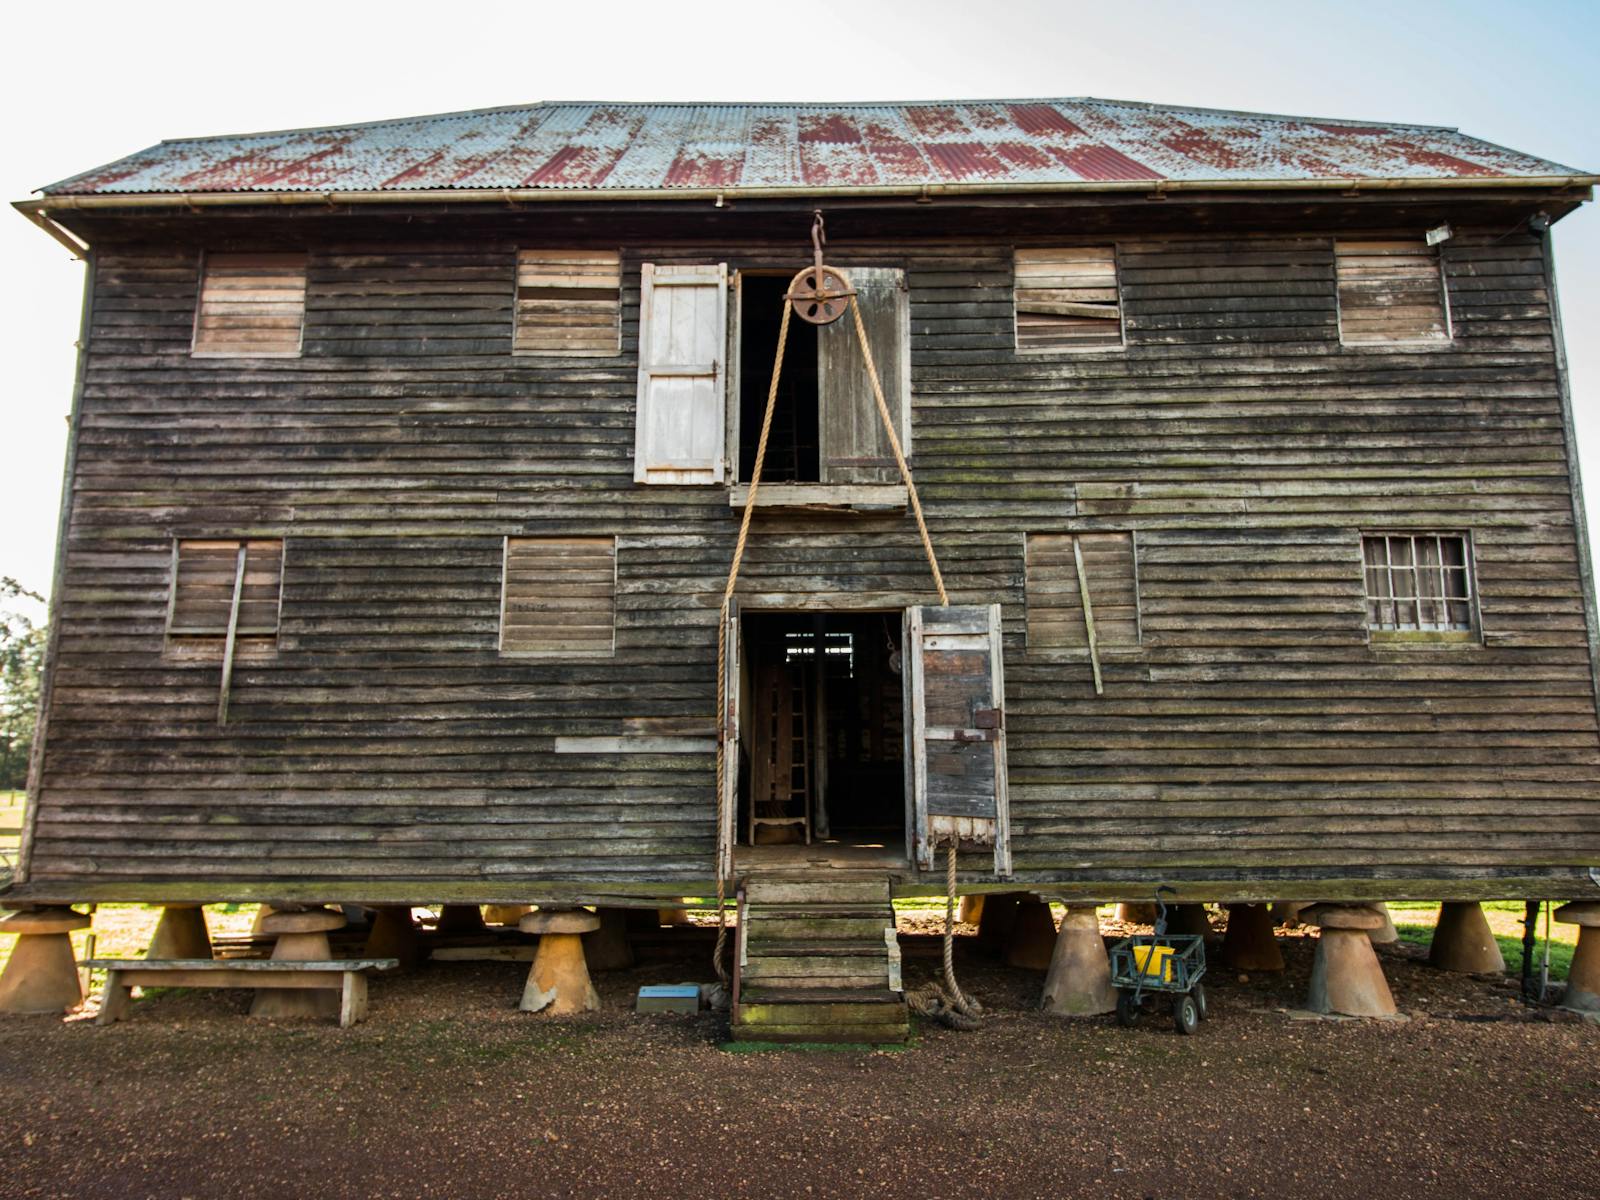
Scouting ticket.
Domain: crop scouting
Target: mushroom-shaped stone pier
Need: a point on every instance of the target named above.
(558, 983)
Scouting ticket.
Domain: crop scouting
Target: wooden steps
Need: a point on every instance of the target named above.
(818, 960)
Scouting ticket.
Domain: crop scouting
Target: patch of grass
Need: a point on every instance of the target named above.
(1510, 949)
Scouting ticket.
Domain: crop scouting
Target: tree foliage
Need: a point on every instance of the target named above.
(21, 665)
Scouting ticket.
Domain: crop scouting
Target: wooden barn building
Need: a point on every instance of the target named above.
(408, 462)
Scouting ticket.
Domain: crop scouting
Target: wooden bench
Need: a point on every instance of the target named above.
(347, 976)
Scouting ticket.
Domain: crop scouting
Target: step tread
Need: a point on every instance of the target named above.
(763, 994)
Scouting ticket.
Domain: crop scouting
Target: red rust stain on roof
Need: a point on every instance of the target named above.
(831, 127)
(1419, 157)
(576, 166)
(964, 160)
(1021, 154)
(240, 172)
(936, 120)
(896, 157)
(1040, 118)
(1202, 147)
(836, 166)
(1102, 162)
(417, 172)
(695, 169)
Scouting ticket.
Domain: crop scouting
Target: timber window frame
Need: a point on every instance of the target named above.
(1061, 297)
(250, 305)
(548, 585)
(567, 303)
(1419, 586)
(855, 466)
(1371, 275)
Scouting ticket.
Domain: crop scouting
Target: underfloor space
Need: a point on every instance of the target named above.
(448, 1091)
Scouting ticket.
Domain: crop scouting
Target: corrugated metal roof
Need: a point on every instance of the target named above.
(666, 147)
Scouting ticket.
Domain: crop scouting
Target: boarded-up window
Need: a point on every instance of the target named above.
(1418, 582)
(569, 302)
(1068, 298)
(220, 583)
(683, 329)
(558, 598)
(1056, 587)
(1391, 292)
(252, 305)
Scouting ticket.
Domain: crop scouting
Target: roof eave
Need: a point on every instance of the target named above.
(136, 200)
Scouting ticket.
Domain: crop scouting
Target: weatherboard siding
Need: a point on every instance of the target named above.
(1254, 735)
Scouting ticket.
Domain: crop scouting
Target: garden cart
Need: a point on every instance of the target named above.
(1149, 966)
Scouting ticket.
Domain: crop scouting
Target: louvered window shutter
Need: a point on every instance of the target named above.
(855, 448)
(569, 303)
(1067, 298)
(1055, 590)
(558, 598)
(1390, 292)
(681, 422)
(251, 305)
(205, 578)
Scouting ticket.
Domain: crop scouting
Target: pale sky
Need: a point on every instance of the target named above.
(115, 78)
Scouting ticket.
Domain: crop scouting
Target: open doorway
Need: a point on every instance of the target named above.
(822, 731)
(794, 453)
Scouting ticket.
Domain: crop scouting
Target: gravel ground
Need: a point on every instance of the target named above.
(447, 1091)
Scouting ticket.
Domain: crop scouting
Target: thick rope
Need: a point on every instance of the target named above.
(899, 454)
(722, 638)
(946, 1002)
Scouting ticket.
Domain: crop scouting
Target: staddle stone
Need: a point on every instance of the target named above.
(1386, 934)
(995, 923)
(1583, 977)
(1346, 976)
(1191, 920)
(393, 935)
(505, 914)
(1033, 938)
(1249, 943)
(302, 937)
(1079, 980)
(607, 948)
(559, 920)
(558, 983)
(1462, 940)
(41, 975)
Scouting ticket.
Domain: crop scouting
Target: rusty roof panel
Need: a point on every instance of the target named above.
(668, 147)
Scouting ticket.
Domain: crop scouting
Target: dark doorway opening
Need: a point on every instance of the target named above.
(793, 449)
(822, 730)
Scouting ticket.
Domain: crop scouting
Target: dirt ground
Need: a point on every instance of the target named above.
(448, 1091)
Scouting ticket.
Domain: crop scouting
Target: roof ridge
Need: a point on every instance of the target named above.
(538, 105)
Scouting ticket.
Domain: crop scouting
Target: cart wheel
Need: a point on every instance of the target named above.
(1127, 1010)
(1185, 1014)
(1198, 991)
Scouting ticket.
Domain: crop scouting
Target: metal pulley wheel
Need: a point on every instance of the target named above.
(820, 293)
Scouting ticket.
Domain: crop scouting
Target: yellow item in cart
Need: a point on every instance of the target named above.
(1154, 962)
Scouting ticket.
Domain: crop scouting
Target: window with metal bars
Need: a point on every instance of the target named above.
(1418, 582)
